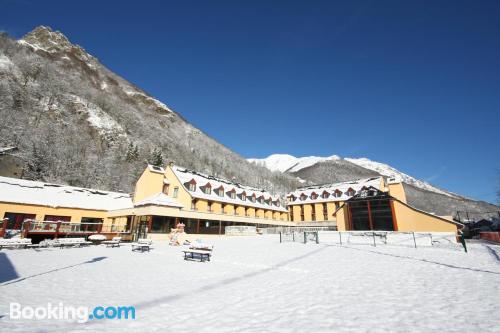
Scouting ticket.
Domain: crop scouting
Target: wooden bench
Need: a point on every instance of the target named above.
(70, 242)
(200, 255)
(115, 242)
(142, 245)
(15, 243)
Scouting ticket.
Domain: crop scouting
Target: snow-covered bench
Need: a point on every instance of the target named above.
(15, 243)
(70, 242)
(201, 255)
(199, 245)
(142, 244)
(113, 242)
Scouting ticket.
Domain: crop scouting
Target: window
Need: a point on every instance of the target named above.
(325, 211)
(301, 212)
(325, 195)
(313, 212)
(89, 224)
(56, 218)
(314, 196)
(292, 198)
(232, 195)
(337, 193)
(351, 192)
(303, 197)
(209, 206)
(220, 192)
(16, 219)
(193, 204)
(243, 197)
(192, 187)
(235, 210)
(165, 188)
(176, 192)
(222, 208)
(207, 189)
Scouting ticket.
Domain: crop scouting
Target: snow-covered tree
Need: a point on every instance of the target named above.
(156, 157)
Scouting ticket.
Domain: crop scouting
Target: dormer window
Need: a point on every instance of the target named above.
(303, 197)
(252, 198)
(191, 185)
(243, 196)
(337, 194)
(165, 188)
(232, 194)
(325, 195)
(351, 192)
(277, 203)
(292, 198)
(314, 196)
(207, 189)
(220, 191)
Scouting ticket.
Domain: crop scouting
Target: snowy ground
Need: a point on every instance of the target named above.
(257, 284)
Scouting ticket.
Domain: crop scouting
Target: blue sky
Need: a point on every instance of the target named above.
(415, 84)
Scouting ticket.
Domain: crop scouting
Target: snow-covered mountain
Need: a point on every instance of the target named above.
(387, 170)
(292, 165)
(76, 122)
(289, 163)
(421, 194)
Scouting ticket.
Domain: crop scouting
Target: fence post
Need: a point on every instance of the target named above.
(305, 237)
(24, 233)
(374, 242)
(317, 237)
(58, 226)
(340, 235)
(293, 236)
(414, 241)
(280, 238)
(432, 243)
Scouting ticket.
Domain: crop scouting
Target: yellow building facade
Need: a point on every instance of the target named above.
(166, 197)
(366, 204)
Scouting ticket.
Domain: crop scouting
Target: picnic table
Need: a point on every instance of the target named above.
(201, 255)
(115, 242)
(14, 243)
(142, 245)
(71, 242)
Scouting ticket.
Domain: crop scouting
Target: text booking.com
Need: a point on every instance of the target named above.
(80, 314)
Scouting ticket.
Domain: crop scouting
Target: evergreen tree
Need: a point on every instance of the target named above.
(132, 153)
(156, 157)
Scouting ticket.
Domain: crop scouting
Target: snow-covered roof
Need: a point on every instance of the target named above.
(159, 199)
(38, 193)
(342, 189)
(186, 176)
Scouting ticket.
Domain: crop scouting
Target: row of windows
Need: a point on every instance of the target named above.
(232, 194)
(175, 194)
(324, 195)
(313, 212)
(235, 210)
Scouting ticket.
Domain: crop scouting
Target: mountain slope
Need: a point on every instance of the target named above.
(77, 122)
(318, 170)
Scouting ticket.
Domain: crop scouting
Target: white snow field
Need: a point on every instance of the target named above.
(256, 284)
